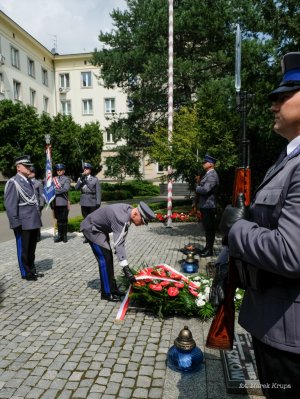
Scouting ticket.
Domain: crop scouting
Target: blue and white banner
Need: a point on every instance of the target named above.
(49, 190)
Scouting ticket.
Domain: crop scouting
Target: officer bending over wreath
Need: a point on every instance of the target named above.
(116, 219)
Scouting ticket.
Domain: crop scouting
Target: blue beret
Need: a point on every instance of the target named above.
(146, 212)
(87, 165)
(291, 75)
(209, 158)
(60, 166)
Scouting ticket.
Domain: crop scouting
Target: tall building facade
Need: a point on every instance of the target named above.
(67, 84)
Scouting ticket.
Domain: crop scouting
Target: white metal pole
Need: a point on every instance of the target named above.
(170, 110)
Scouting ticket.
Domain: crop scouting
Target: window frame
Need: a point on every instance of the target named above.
(68, 104)
(15, 57)
(31, 67)
(89, 108)
(45, 81)
(111, 110)
(89, 80)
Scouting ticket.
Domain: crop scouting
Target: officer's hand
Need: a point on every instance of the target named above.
(217, 291)
(233, 214)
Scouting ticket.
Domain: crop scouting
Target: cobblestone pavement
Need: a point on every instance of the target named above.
(60, 341)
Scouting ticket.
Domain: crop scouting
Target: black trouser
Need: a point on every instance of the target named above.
(26, 246)
(61, 215)
(86, 210)
(278, 371)
(106, 268)
(209, 224)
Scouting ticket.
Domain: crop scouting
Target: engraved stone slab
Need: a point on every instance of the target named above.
(240, 367)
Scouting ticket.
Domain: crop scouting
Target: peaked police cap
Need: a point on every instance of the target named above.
(290, 65)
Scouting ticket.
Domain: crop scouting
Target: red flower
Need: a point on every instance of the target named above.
(173, 291)
(140, 283)
(193, 292)
(159, 272)
(155, 287)
(175, 276)
(179, 285)
(165, 283)
(145, 272)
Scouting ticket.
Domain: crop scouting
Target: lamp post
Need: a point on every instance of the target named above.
(170, 110)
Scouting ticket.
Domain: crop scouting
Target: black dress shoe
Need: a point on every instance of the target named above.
(118, 292)
(39, 274)
(30, 277)
(206, 254)
(110, 297)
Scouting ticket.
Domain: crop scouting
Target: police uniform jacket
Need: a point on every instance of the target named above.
(90, 191)
(21, 204)
(61, 194)
(113, 219)
(207, 189)
(38, 186)
(270, 242)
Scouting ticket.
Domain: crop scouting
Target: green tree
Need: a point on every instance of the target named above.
(22, 131)
(125, 163)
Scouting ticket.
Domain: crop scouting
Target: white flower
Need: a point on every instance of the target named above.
(205, 281)
(238, 296)
(197, 283)
(200, 301)
(197, 278)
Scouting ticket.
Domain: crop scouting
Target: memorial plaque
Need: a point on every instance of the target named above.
(240, 367)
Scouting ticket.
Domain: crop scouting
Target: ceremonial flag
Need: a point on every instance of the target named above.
(49, 190)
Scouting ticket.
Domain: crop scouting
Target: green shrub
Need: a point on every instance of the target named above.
(74, 223)
(116, 195)
(74, 196)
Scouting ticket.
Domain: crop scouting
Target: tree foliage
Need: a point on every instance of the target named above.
(124, 163)
(135, 57)
(22, 131)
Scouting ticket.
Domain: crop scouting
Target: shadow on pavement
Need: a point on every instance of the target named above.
(94, 284)
(44, 265)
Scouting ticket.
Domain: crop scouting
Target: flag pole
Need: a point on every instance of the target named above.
(49, 190)
(170, 111)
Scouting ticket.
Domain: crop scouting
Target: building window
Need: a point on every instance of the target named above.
(160, 168)
(129, 105)
(64, 80)
(46, 104)
(109, 137)
(44, 77)
(15, 58)
(86, 79)
(17, 90)
(87, 107)
(32, 98)
(109, 105)
(1, 84)
(31, 68)
(65, 107)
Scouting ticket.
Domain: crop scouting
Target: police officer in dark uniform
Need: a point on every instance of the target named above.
(61, 203)
(38, 186)
(206, 189)
(266, 250)
(97, 226)
(24, 217)
(90, 198)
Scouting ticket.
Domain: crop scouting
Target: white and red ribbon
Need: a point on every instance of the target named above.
(125, 303)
